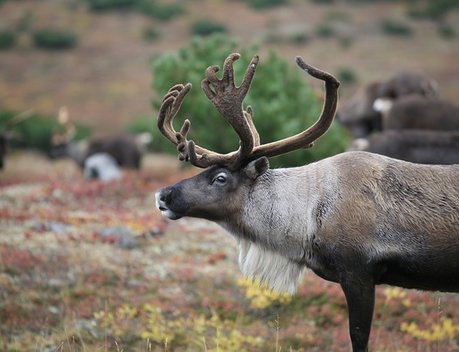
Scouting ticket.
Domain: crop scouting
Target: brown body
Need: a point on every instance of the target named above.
(416, 112)
(358, 219)
(127, 150)
(417, 146)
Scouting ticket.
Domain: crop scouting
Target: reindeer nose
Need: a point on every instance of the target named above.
(165, 195)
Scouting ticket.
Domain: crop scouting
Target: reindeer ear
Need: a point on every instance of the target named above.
(257, 167)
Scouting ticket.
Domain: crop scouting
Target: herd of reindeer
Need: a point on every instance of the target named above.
(403, 118)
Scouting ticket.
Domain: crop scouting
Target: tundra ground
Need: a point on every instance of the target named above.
(91, 266)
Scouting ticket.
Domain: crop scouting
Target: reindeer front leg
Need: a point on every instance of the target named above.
(359, 290)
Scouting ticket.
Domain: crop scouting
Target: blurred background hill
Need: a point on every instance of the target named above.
(95, 56)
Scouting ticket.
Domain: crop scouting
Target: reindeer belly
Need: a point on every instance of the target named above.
(431, 269)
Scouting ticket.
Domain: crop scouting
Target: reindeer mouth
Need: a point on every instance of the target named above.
(165, 210)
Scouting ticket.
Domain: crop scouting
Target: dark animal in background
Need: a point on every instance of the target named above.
(417, 146)
(416, 112)
(360, 117)
(358, 219)
(126, 150)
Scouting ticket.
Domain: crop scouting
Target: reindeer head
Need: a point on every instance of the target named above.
(216, 192)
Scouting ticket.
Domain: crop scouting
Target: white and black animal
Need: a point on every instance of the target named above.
(101, 166)
(126, 150)
(358, 219)
(358, 114)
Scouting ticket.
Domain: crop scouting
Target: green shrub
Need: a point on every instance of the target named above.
(345, 42)
(395, 27)
(446, 31)
(432, 9)
(347, 75)
(150, 34)
(53, 39)
(325, 30)
(300, 38)
(207, 27)
(151, 8)
(262, 4)
(105, 5)
(324, 2)
(159, 11)
(7, 39)
(35, 132)
(143, 124)
(281, 96)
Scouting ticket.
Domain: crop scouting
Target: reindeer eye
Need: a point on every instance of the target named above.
(220, 178)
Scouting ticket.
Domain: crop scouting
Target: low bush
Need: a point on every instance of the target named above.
(207, 27)
(446, 31)
(432, 9)
(262, 4)
(150, 34)
(7, 39)
(281, 96)
(53, 39)
(151, 8)
(35, 131)
(300, 38)
(163, 12)
(395, 28)
(105, 5)
(347, 75)
(325, 30)
(148, 124)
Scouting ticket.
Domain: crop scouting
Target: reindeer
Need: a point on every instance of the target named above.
(125, 150)
(359, 114)
(357, 219)
(417, 112)
(416, 146)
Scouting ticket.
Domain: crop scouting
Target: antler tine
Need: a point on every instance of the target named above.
(249, 117)
(171, 104)
(228, 98)
(306, 138)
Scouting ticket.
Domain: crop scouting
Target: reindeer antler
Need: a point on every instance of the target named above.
(228, 100)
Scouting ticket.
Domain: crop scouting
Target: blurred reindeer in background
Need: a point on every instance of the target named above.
(359, 115)
(406, 120)
(415, 112)
(98, 156)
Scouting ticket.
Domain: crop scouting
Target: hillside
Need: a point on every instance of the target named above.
(106, 79)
